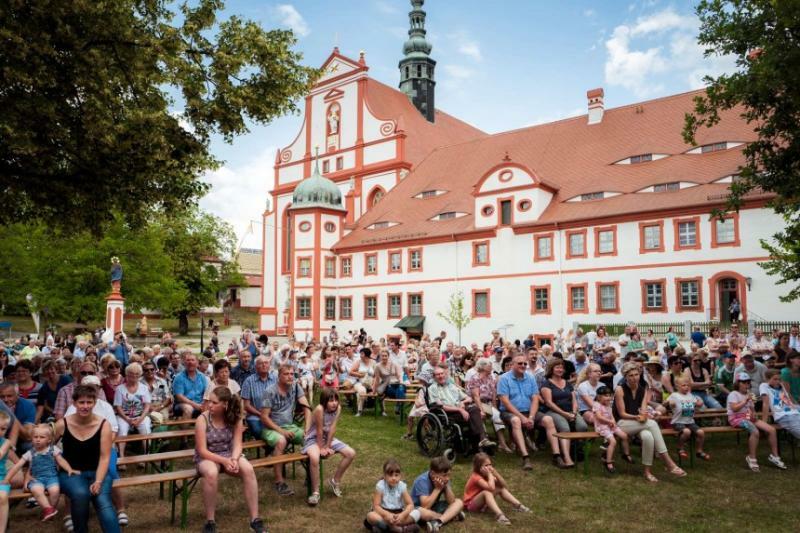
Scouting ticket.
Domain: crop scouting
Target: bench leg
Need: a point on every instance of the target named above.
(691, 452)
(173, 491)
(587, 453)
(402, 412)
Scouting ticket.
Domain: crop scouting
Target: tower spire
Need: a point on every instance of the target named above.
(416, 67)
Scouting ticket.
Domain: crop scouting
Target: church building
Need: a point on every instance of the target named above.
(383, 207)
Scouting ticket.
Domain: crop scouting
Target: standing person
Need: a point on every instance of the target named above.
(218, 438)
(277, 413)
(132, 405)
(484, 486)
(244, 369)
(87, 441)
(742, 414)
(188, 388)
(631, 400)
(320, 442)
(671, 338)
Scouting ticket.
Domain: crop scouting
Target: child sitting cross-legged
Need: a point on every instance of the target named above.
(392, 508)
(484, 485)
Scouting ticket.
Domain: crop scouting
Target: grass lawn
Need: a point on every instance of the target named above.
(718, 496)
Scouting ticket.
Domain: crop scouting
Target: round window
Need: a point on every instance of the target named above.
(330, 227)
(487, 210)
(305, 225)
(524, 205)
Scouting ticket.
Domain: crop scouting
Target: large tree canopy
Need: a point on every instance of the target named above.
(764, 36)
(94, 96)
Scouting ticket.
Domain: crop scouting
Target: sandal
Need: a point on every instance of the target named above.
(703, 455)
(651, 478)
(677, 471)
(628, 459)
(682, 454)
(503, 520)
(610, 467)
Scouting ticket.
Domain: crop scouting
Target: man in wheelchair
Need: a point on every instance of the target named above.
(458, 406)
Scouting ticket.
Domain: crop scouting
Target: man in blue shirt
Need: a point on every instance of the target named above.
(698, 337)
(519, 409)
(434, 497)
(25, 413)
(188, 388)
(253, 390)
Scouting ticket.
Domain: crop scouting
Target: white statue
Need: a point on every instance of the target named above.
(333, 121)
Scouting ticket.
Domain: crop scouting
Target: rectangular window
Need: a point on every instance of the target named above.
(395, 262)
(346, 265)
(330, 267)
(592, 196)
(505, 212)
(326, 166)
(654, 296)
(415, 259)
(480, 303)
(339, 163)
(345, 308)
(577, 296)
(543, 247)
(330, 308)
(371, 264)
(540, 300)
(303, 308)
(607, 297)
(395, 304)
(304, 267)
(713, 147)
(480, 253)
(576, 242)
(725, 231)
(605, 240)
(641, 158)
(687, 234)
(427, 194)
(651, 237)
(690, 293)
(667, 187)
(370, 307)
(415, 304)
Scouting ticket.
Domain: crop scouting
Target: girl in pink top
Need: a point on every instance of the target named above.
(605, 425)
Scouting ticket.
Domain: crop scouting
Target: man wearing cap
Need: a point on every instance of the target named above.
(497, 361)
(752, 368)
(724, 377)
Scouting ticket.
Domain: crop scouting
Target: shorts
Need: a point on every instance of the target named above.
(271, 437)
(693, 427)
(178, 412)
(5, 488)
(745, 425)
(46, 482)
(506, 417)
(336, 445)
(473, 507)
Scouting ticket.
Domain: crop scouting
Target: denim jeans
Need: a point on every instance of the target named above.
(77, 489)
(708, 400)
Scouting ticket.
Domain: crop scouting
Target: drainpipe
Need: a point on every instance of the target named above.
(562, 315)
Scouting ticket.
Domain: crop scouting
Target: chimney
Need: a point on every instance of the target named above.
(595, 97)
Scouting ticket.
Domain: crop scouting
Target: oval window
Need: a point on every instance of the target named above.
(305, 226)
(524, 205)
(330, 227)
(487, 210)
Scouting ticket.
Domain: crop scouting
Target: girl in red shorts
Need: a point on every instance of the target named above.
(483, 487)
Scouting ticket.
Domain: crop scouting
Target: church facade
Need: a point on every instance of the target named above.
(383, 208)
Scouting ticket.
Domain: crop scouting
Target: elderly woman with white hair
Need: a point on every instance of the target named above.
(482, 387)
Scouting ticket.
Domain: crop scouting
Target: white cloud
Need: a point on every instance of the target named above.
(387, 7)
(471, 49)
(239, 193)
(659, 47)
(458, 72)
(589, 13)
(464, 44)
(289, 16)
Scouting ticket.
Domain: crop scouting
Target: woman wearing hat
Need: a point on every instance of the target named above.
(652, 377)
(631, 400)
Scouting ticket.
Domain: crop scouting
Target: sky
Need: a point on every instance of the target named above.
(501, 65)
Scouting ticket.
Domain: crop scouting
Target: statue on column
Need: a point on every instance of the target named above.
(116, 274)
(333, 120)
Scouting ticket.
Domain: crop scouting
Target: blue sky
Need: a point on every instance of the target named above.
(502, 65)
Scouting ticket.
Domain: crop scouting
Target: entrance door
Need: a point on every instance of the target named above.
(728, 290)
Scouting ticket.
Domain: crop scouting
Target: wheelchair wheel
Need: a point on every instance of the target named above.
(430, 435)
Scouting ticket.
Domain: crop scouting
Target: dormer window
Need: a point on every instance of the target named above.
(447, 215)
(715, 147)
(592, 196)
(667, 187)
(430, 194)
(642, 158)
(382, 225)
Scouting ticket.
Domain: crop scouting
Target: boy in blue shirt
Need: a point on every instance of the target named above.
(434, 497)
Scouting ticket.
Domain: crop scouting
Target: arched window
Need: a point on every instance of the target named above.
(375, 196)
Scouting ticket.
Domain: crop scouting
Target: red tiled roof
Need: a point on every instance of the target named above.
(574, 158)
(253, 281)
(391, 104)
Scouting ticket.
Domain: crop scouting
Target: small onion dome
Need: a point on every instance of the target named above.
(317, 191)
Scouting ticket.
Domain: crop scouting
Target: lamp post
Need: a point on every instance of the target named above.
(202, 330)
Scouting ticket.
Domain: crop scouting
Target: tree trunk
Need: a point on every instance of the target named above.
(183, 323)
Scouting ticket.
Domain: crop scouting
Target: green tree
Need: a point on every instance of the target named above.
(93, 96)
(202, 248)
(764, 37)
(456, 316)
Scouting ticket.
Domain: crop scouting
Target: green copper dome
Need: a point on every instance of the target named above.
(317, 191)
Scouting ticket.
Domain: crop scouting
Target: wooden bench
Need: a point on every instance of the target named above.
(401, 402)
(182, 482)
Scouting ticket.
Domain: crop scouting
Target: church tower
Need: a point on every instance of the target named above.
(416, 67)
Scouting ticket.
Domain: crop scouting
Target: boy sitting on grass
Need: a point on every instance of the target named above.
(434, 497)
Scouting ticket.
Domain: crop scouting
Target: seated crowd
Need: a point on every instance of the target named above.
(86, 393)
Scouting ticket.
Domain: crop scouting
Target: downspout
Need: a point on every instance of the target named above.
(562, 314)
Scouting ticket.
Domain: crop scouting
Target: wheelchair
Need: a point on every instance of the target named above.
(438, 434)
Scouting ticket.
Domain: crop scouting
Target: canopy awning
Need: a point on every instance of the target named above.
(411, 323)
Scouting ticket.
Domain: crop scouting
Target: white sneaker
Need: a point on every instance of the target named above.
(775, 460)
(752, 463)
(358, 413)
